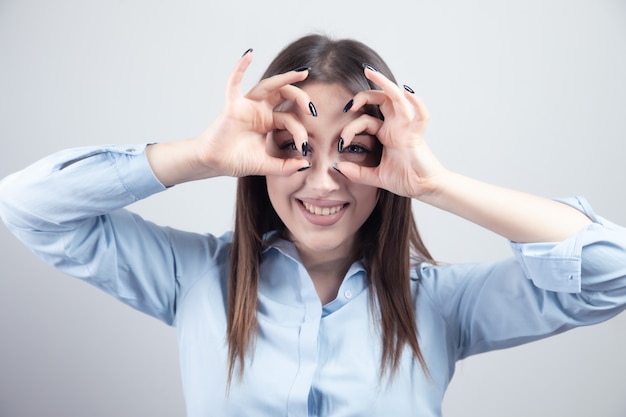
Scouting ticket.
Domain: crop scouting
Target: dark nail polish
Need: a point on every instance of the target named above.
(301, 69)
(312, 109)
(340, 145)
(409, 89)
(247, 52)
(305, 168)
(369, 67)
(348, 106)
(305, 148)
(335, 167)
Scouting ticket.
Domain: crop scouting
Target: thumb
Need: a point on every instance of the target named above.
(358, 174)
(285, 167)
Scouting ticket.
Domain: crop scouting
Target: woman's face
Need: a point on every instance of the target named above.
(321, 208)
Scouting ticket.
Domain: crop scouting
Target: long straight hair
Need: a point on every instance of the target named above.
(390, 239)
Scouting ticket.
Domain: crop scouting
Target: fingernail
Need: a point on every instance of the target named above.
(409, 89)
(247, 52)
(340, 145)
(348, 106)
(305, 148)
(369, 67)
(305, 168)
(300, 69)
(312, 109)
(335, 167)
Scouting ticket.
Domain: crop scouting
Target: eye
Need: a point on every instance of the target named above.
(365, 150)
(355, 148)
(289, 146)
(285, 146)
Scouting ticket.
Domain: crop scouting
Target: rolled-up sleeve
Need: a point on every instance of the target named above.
(545, 289)
(68, 208)
(76, 183)
(592, 260)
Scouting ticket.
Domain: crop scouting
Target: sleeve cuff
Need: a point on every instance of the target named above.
(556, 266)
(136, 173)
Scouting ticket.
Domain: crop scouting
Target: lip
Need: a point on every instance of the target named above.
(318, 219)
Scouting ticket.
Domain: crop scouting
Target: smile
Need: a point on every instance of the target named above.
(322, 211)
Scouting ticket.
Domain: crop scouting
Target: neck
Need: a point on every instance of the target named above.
(327, 271)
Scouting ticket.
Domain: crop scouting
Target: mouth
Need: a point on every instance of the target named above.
(322, 211)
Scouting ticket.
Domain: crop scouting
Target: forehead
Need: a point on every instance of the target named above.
(329, 100)
(327, 94)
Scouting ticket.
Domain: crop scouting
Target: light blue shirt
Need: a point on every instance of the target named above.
(309, 359)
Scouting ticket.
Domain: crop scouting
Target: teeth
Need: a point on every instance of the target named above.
(322, 211)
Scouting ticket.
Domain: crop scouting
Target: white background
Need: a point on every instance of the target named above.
(530, 95)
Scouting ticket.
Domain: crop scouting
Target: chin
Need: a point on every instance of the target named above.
(323, 244)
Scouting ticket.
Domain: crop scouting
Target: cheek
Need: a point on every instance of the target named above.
(367, 197)
(272, 189)
(279, 190)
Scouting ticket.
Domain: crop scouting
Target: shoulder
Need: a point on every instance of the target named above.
(200, 258)
(206, 250)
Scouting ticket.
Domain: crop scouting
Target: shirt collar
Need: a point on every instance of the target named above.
(354, 283)
(287, 248)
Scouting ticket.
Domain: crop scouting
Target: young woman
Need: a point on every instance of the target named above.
(323, 300)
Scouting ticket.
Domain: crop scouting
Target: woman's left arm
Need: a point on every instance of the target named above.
(518, 216)
(570, 264)
(409, 168)
(546, 289)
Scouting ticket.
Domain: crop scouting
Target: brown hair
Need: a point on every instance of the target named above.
(390, 236)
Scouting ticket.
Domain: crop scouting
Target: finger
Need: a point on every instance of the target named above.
(362, 124)
(386, 103)
(233, 85)
(388, 86)
(394, 99)
(421, 111)
(291, 123)
(296, 95)
(359, 174)
(285, 161)
(284, 167)
(363, 98)
(272, 84)
(397, 96)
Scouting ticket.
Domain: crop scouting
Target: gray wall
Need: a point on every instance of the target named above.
(529, 95)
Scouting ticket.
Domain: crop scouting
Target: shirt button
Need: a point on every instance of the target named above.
(130, 150)
(348, 294)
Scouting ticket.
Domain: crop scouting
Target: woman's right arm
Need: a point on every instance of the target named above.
(67, 207)
(71, 185)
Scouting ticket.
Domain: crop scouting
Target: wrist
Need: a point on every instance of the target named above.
(433, 190)
(177, 162)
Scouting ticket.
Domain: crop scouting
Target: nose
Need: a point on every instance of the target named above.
(322, 177)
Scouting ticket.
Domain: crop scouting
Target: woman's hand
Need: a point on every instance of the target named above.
(407, 166)
(237, 142)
